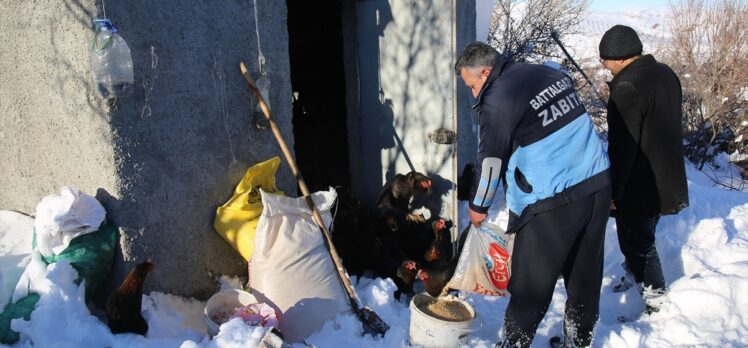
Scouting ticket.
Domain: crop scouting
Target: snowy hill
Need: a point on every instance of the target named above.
(651, 25)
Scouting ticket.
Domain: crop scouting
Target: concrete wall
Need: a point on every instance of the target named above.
(162, 159)
(53, 130)
(405, 53)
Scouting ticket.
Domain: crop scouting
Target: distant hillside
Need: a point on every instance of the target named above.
(651, 24)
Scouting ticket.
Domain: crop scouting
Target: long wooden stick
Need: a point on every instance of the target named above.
(302, 185)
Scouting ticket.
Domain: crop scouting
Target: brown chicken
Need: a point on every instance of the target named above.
(435, 276)
(393, 205)
(124, 304)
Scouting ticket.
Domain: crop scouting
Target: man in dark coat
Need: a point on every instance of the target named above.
(646, 155)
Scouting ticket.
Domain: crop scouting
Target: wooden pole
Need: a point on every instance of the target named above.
(316, 216)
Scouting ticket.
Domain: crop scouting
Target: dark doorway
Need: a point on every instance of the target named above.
(318, 83)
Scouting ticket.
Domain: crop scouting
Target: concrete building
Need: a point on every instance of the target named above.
(355, 85)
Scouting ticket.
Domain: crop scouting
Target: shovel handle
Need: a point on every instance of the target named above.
(316, 216)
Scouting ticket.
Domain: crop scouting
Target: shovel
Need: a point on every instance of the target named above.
(372, 323)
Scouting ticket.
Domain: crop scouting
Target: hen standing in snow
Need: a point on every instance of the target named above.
(124, 304)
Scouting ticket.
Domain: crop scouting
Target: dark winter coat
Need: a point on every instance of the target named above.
(645, 140)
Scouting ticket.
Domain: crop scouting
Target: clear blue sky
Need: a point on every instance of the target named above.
(612, 5)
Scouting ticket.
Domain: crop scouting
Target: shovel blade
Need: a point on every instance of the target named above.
(373, 324)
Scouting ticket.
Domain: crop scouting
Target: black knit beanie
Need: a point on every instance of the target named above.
(620, 42)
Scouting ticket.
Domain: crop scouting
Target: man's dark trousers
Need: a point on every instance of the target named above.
(636, 236)
(568, 240)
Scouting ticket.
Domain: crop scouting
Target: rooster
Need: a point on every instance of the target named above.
(124, 304)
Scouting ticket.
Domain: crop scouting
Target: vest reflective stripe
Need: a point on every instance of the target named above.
(489, 182)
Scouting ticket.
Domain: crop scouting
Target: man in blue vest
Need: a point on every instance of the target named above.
(536, 135)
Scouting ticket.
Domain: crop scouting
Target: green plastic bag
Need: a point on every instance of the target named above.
(90, 254)
(21, 309)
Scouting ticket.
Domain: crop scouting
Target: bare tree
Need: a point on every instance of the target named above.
(709, 51)
(596, 108)
(522, 28)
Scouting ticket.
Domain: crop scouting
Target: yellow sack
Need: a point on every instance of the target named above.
(236, 220)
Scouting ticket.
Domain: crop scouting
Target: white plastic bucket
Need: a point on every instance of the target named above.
(225, 300)
(428, 331)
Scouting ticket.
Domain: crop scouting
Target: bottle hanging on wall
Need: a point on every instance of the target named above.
(111, 63)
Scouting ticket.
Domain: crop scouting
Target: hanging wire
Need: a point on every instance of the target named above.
(262, 81)
(103, 8)
(260, 56)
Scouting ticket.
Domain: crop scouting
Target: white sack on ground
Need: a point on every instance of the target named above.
(60, 218)
(291, 268)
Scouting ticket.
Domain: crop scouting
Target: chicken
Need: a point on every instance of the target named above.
(393, 205)
(435, 276)
(124, 304)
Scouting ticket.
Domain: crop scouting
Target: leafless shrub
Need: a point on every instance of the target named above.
(709, 52)
(595, 104)
(523, 27)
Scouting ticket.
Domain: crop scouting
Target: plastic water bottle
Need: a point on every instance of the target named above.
(111, 63)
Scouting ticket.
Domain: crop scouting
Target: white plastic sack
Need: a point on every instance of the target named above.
(60, 218)
(291, 268)
(484, 265)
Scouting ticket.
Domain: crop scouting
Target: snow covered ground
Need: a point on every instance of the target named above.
(704, 252)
